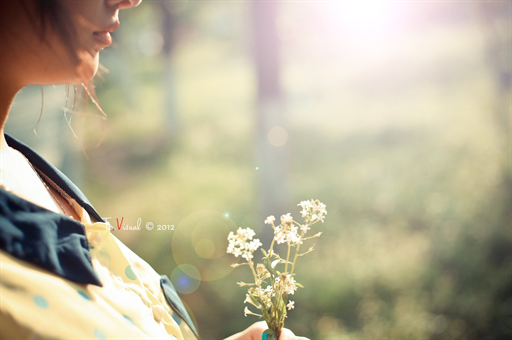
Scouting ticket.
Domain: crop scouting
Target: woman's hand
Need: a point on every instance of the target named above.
(255, 331)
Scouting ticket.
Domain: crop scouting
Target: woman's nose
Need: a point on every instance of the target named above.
(123, 4)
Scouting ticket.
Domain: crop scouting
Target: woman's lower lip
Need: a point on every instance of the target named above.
(103, 38)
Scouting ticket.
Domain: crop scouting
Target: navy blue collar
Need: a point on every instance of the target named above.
(55, 175)
(52, 241)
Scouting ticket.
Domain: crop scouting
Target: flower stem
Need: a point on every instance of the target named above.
(254, 274)
(287, 258)
(297, 251)
(271, 247)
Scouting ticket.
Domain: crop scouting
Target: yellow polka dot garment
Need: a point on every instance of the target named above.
(37, 304)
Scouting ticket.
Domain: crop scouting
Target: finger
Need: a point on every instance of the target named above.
(287, 334)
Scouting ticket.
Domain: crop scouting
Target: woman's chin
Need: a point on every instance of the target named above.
(87, 68)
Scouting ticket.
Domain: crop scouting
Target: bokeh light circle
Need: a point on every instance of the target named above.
(201, 240)
(277, 136)
(205, 248)
(151, 43)
(186, 278)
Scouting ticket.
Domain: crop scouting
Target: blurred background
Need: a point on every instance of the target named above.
(396, 115)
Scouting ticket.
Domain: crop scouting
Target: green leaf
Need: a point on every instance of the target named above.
(267, 265)
(278, 302)
(264, 253)
(279, 314)
(257, 301)
(274, 301)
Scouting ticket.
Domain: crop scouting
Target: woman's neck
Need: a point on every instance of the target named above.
(7, 94)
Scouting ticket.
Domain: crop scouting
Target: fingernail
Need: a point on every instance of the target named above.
(264, 336)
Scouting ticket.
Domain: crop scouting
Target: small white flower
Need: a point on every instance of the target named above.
(247, 256)
(306, 204)
(270, 219)
(280, 235)
(287, 233)
(250, 233)
(319, 209)
(290, 286)
(239, 244)
(286, 219)
(314, 209)
(247, 311)
(304, 228)
(290, 305)
(253, 245)
(293, 236)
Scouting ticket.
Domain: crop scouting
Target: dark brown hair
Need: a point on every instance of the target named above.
(52, 14)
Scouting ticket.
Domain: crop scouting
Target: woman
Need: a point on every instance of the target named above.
(63, 274)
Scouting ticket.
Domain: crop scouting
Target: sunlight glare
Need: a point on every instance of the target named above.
(365, 22)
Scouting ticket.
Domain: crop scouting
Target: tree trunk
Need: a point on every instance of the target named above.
(271, 161)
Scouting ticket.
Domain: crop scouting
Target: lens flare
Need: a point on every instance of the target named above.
(200, 240)
(186, 278)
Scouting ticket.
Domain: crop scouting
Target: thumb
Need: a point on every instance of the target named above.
(287, 334)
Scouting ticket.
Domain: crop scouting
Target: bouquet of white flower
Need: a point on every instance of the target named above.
(273, 299)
